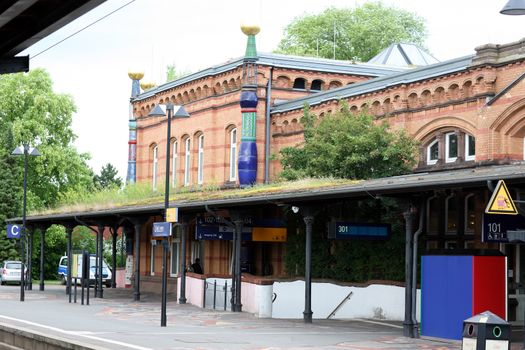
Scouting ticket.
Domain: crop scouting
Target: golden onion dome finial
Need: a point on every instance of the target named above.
(135, 75)
(250, 29)
(146, 85)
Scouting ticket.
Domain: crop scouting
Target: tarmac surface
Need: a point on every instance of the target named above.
(118, 322)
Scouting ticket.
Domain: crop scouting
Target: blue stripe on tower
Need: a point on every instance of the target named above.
(247, 161)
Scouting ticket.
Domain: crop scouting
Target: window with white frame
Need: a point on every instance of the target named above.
(152, 258)
(175, 258)
(187, 162)
(451, 147)
(470, 147)
(200, 163)
(233, 155)
(154, 168)
(452, 142)
(175, 158)
(433, 152)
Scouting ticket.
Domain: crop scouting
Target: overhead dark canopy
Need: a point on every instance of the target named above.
(25, 22)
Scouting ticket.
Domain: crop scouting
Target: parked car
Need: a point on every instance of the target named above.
(106, 272)
(10, 272)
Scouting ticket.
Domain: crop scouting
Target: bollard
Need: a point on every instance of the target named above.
(485, 331)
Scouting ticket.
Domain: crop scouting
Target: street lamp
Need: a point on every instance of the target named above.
(24, 151)
(178, 113)
(514, 8)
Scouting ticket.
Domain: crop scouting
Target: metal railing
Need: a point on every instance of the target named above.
(217, 296)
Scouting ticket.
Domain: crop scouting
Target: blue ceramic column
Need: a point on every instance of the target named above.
(131, 176)
(247, 159)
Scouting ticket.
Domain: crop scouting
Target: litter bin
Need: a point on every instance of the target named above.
(486, 331)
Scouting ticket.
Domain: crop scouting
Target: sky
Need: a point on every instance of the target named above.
(148, 35)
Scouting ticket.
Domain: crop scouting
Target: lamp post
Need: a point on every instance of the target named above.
(26, 152)
(178, 113)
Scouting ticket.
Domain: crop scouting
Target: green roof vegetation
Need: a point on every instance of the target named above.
(142, 194)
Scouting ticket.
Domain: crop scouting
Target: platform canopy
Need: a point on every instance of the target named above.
(25, 22)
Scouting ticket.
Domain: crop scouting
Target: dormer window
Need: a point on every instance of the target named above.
(470, 147)
(433, 152)
(450, 147)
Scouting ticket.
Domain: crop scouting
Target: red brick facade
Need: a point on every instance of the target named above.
(476, 103)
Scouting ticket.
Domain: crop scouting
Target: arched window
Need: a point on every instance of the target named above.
(317, 85)
(174, 160)
(433, 152)
(154, 166)
(451, 147)
(200, 163)
(187, 163)
(299, 83)
(470, 147)
(233, 155)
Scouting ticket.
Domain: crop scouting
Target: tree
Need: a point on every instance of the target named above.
(32, 114)
(350, 146)
(108, 177)
(10, 192)
(172, 73)
(37, 116)
(360, 33)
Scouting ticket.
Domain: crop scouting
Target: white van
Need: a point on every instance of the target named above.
(106, 272)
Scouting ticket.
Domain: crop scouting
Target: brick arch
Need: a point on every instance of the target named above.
(192, 95)
(334, 84)
(426, 97)
(511, 120)
(444, 122)
(439, 94)
(179, 99)
(186, 97)
(453, 92)
(467, 88)
(225, 86)
(300, 83)
(218, 89)
(232, 84)
(376, 108)
(387, 105)
(413, 100)
(198, 92)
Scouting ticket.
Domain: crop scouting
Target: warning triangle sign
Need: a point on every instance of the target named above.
(501, 202)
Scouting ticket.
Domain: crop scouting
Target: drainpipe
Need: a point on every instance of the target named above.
(414, 267)
(267, 130)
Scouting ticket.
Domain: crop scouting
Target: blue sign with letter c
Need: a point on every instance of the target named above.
(13, 231)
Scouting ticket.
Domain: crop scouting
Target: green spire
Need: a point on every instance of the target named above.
(251, 49)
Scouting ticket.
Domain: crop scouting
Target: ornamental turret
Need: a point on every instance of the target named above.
(247, 161)
(131, 176)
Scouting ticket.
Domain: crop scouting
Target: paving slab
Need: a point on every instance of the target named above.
(118, 322)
